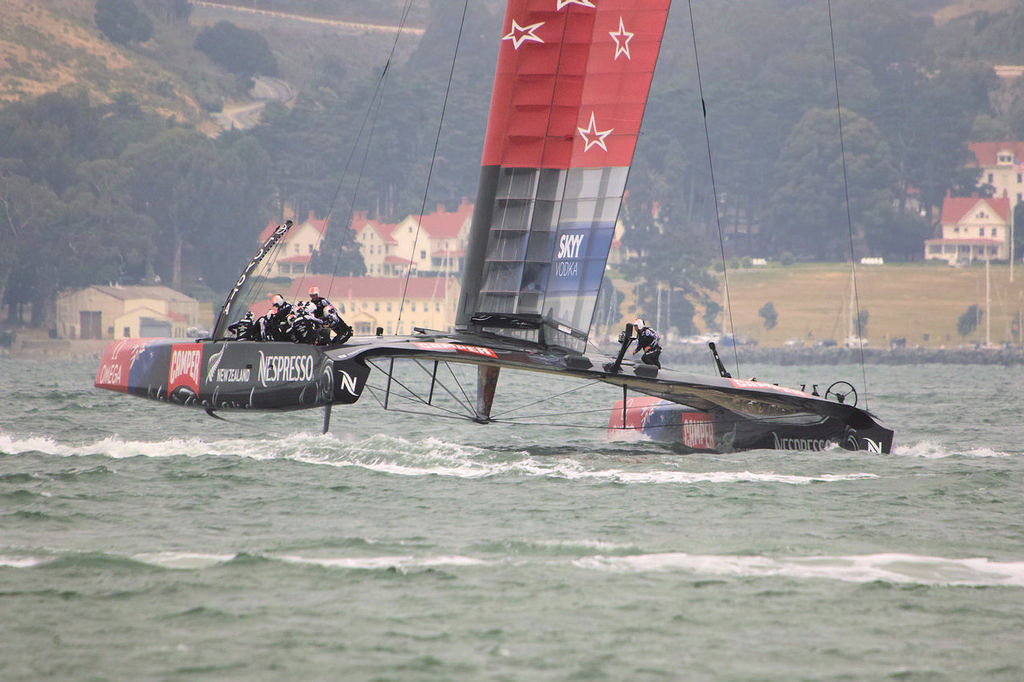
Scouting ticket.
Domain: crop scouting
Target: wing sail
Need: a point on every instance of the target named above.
(569, 96)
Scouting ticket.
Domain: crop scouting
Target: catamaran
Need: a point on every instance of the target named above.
(570, 89)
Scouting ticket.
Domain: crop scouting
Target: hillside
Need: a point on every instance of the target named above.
(53, 45)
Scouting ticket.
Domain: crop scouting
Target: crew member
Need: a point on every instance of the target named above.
(245, 329)
(326, 311)
(647, 341)
(273, 325)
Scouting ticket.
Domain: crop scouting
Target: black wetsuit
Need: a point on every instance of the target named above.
(328, 312)
(647, 341)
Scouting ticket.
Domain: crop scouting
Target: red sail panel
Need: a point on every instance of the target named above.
(572, 81)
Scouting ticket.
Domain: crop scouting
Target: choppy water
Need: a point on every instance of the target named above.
(145, 541)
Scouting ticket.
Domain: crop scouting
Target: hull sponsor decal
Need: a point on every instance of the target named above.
(459, 347)
(699, 431)
(117, 362)
(186, 366)
(215, 374)
(807, 444)
(275, 369)
(348, 383)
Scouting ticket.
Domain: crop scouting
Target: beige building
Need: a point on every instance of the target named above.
(973, 228)
(118, 312)
(433, 244)
(370, 302)
(297, 247)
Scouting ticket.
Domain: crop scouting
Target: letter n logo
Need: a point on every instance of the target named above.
(348, 383)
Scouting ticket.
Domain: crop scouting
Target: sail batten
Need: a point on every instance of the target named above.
(569, 94)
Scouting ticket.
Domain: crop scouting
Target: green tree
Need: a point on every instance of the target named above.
(969, 321)
(768, 314)
(1018, 231)
(809, 211)
(208, 199)
(711, 312)
(862, 323)
(122, 22)
(240, 51)
(29, 247)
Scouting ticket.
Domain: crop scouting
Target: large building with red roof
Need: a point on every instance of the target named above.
(1001, 167)
(433, 244)
(973, 228)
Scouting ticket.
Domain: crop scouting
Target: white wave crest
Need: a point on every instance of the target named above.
(894, 568)
(23, 561)
(401, 563)
(932, 450)
(621, 476)
(183, 560)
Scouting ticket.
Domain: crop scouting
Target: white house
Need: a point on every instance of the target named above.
(1001, 167)
(433, 244)
(297, 247)
(973, 228)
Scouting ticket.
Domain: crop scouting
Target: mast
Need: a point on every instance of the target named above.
(988, 312)
(570, 89)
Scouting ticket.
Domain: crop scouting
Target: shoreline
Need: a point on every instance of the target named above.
(48, 349)
(1007, 356)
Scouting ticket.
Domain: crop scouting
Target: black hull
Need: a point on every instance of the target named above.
(716, 430)
(230, 375)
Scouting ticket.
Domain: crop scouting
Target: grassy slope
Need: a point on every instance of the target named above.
(53, 45)
(903, 301)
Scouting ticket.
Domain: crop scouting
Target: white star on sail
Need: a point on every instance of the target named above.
(582, 3)
(520, 34)
(621, 38)
(592, 136)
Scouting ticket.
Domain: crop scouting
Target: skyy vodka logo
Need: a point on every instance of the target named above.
(567, 260)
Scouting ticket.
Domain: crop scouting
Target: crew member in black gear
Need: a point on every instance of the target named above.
(647, 340)
(326, 311)
(245, 329)
(273, 325)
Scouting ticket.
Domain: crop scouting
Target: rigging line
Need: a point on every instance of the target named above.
(550, 397)
(462, 389)
(467, 405)
(433, 158)
(437, 410)
(714, 190)
(557, 425)
(414, 397)
(374, 108)
(849, 216)
(548, 415)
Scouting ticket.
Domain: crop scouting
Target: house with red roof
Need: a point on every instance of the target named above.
(973, 228)
(1001, 167)
(297, 247)
(432, 245)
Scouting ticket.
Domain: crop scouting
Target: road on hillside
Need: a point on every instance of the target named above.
(245, 116)
(348, 25)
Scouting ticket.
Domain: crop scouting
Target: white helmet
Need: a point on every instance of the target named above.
(638, 323)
